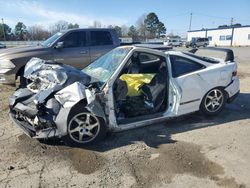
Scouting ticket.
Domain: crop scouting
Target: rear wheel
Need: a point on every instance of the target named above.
(213, 102)
(84, 128)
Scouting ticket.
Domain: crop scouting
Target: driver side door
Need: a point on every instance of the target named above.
(75, 51)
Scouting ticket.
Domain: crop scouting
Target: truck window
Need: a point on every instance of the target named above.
(75, 39)
(99, 38)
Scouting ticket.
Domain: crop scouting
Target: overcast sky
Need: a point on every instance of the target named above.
(175, 14)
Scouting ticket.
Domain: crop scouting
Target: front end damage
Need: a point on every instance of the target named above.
(41, 110)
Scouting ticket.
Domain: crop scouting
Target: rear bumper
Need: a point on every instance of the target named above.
(233, 88)
(231, 99)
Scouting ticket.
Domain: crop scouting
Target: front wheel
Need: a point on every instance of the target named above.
(84, 128)
(213, 102)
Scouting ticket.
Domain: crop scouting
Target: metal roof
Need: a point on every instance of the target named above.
(211, 29)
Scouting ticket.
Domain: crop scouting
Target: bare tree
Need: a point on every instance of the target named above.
(141, 27)
(59, 26)
(37, 32)
(97, 24)
(124, 30)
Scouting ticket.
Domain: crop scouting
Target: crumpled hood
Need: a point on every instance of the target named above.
(48, 77)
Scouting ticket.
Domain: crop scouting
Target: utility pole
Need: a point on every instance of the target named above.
(3, 30)
(232, 21)
(190, 23)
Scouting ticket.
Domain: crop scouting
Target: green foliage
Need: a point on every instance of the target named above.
(4, 29)
(20, 31)
(118, 30)
(73, 26)
(133, 33)
(154, 26)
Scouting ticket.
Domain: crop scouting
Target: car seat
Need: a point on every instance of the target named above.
(155, 91)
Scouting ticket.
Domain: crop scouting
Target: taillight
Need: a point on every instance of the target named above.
(234, 73)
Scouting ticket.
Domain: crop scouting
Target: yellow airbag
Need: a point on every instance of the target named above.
(135, 81)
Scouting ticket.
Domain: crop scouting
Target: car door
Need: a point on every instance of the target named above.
(188, 75)
(100, 43)
(75, 51)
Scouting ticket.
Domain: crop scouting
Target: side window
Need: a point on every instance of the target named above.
(147, 58)
(210, 38)
(75, 39)
(229, 37)
(181, 65)
(99, 38)
(222, 37)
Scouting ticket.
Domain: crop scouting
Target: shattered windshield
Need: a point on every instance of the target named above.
(51, 40)
(104, 67)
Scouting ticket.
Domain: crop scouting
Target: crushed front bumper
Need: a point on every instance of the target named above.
(32, 132)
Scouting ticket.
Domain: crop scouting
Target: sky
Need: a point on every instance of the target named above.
(175, 14)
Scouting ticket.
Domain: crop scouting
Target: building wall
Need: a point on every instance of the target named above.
(241, 36)
(222, 37)
(196, 34)
(216, 34)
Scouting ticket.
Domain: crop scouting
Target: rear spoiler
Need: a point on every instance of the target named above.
(229, 52)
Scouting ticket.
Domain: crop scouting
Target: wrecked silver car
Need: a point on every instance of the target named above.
(126, 88)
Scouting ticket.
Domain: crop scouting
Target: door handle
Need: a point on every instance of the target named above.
(83, 52)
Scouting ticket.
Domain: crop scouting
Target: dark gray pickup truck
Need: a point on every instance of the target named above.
(76, 47)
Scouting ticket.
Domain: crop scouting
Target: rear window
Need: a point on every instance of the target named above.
(181, 65)
(99, 38)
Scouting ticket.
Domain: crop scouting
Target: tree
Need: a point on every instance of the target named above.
(133, 33)
(161, 29)
(97, 24)
(37, 32)
(118, 30)
(21, 31)
(5, 30)
(73, 26)
(124, 30)
(59, 26)
(151, 22)
(154, 26)
(141, 27)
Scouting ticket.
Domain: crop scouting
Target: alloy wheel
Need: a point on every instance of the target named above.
(214, 100)
(83, 128)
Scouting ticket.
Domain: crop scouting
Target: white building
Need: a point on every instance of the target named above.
(232, 36)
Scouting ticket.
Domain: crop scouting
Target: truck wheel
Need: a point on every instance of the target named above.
(84, 128)
(213, 102)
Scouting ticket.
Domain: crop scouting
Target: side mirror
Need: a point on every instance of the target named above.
(59, 45)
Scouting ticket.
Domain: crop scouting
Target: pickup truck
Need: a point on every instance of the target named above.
(75, 47)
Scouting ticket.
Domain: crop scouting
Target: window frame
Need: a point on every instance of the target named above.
(81, 37)
(91, 41)
(193, 61)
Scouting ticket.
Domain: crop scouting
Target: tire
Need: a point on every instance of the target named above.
(84, 128)
(23, 82)
(204, 45)
(213, 102)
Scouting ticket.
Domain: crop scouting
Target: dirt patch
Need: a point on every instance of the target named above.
(243, 75)
(84, 161)
(162, 164)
